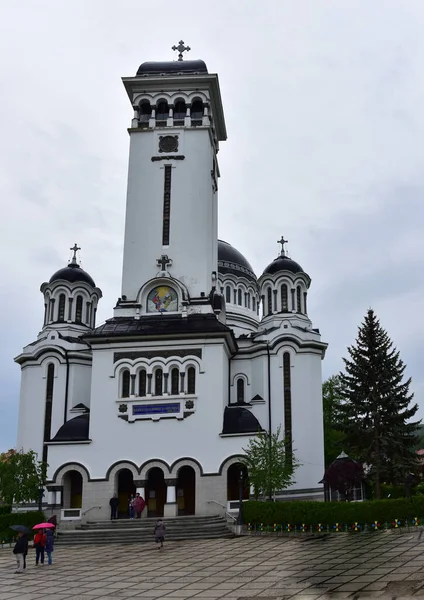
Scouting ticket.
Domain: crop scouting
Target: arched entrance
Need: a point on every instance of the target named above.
(126, 488)
(155, 492)
(233, 479)
(72, 489)
(186, 491)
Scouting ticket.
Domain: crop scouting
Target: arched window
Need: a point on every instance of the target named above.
(61, 309)
(253, 303)
(288, 434)
(48, 409)
(240, 391)
(191, 380)
(197, 112)
(142, 379)
(125, 389)
(298, 299)
(235, 296)
(162, 111)
(284, 298)
(269, 301)
(175, 380)
(78, 310)
(239, 297)
(179, 111)
(248, 300)
(145, 112)
(158, 382)
(228, 294)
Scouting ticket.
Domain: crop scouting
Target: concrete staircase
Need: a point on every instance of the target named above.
(126, 531)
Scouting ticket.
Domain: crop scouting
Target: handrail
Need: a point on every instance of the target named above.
(227, 514)
(88, 510)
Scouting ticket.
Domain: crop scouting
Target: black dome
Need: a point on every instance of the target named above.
(72, 273)
(283, 263)
(240, 420)
(172, 67)
(74, 430)
(232, 261)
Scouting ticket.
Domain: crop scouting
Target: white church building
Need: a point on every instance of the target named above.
(200, 353)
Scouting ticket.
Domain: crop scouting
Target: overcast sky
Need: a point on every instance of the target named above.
(324, 109)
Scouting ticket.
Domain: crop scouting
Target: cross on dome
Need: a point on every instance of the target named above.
(74, 249)
(282, 242)
(181, 48)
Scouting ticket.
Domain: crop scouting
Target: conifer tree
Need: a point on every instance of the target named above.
(377, 406)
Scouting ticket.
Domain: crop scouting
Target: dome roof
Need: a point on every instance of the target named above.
(175, 67)
(74, 430)
(72, 273)
(232, 261)
(283, 263)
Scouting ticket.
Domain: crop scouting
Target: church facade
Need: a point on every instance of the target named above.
(199, 355)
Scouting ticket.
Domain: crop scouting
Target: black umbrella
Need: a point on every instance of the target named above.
(20, 528)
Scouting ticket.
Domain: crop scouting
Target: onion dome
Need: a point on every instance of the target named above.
(283, 262)
(232, 261)
(73, 272)
(176, 67)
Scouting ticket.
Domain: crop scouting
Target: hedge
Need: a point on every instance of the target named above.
(26, 518)
(5, 509)
(329, 513)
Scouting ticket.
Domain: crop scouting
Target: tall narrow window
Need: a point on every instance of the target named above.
(239, 298)
(125, 389)
(179, 111)
(158, 382)
(305, 306)
(284, 298)
(191, 380)
(235, 296)
(197, 112)
(298, 299)
(240, 391)
(175, 380)
(269, 301)
(78, 310)
(48, 408)
(142, 379)
(61, 309)
(253, 303)
(287, 407)
(145, 112)
(162, 112)
(166, 206)
(248, 300)
(228, 294)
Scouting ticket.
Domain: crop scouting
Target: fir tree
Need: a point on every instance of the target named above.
(377, 406)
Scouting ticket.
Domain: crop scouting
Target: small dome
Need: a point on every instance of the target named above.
(283, 263)
(74, 430)
(232, 261)
(72, 273)
(174, 67)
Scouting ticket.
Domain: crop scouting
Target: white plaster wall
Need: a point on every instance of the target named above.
(193, 228)
(79, 386)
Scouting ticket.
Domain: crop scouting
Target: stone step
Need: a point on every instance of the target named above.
(185, 519)
(143, 524)
(104, 540)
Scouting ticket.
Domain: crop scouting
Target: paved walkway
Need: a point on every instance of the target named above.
(384, 565)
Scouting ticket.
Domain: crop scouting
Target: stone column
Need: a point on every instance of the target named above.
(152, 120)
(171, 508)
(187, 120)
(206, 120)
(134, 122)
(170, 119)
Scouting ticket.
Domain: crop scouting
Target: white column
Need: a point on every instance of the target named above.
(187, 120)
(171, 495)
(170, 120)
(51, 498)
(59, 498)
(134, 122)
(205, 120)
(152, 120)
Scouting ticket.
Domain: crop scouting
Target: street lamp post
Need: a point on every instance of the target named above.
(40, 498)
(240, 513)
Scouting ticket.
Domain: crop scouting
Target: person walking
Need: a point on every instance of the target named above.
(40, 545)
(159, 533)
(113, 503)
(139, 505)
(20, 551)
(49, 545)
(131, 506)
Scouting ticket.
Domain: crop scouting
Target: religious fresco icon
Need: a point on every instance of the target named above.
(162, 299)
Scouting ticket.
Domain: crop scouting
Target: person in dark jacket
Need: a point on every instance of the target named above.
(20, 551)
(113, 503)
(159, 533)
(49, 545)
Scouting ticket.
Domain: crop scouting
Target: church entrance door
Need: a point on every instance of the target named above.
(72, 490)
(186, 491)
(233, 479)
(126, 488)
(155, 492)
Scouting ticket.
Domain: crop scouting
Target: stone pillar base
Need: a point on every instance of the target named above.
(170, 509)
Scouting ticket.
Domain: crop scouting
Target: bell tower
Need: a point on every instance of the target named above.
(171, 211)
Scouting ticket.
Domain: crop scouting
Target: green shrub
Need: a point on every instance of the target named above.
(328, 513)
(27, 518)
(5, 509)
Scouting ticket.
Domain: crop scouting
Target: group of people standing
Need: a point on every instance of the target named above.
(43, 544)
(136, 505)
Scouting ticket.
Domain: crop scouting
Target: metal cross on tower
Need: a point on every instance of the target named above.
(164, 262)
(282, 242)
(181, 48)
(75, 249)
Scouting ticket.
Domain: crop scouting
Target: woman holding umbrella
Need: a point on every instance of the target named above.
(21, 547)
(40, 540)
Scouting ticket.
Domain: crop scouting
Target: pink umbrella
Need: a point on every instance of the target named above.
(43, 526)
